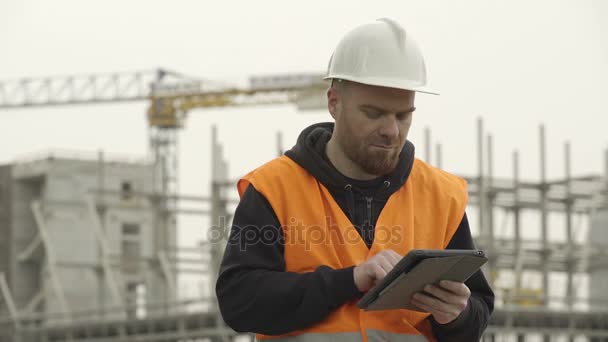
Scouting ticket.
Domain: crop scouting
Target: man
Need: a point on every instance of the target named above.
(319, 226)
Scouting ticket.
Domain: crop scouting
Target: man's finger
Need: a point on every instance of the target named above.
(456, 287)
(421, 306)
(434, 303)
(427, 306)
(379, 273)
(445, 296)
(390, 259)
(389, 255)
(441, 317)
(386, 264)
(395, 257)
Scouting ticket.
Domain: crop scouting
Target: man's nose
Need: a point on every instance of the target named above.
(390, 127)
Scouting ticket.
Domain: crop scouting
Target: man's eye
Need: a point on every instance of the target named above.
(372, 115)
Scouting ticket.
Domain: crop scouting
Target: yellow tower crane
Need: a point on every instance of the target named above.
(171, 96)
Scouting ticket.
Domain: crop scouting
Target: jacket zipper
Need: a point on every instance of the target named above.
(369, 210)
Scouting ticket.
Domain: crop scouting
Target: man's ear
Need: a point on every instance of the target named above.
(333, 102)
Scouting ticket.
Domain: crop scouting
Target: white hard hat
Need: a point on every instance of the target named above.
(379, 53)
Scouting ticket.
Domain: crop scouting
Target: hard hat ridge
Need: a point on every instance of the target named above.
(379, 53)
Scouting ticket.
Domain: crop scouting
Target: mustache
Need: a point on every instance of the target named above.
(386, 142)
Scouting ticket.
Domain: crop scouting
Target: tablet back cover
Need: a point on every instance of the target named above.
(429, 271)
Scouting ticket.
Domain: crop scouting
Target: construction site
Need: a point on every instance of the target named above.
(125, 127)
(90, 249)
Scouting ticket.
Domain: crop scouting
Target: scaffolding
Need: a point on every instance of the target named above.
(522, 309)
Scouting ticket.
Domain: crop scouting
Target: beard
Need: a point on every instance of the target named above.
(372, 160)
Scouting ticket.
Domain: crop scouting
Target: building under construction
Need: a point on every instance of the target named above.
(89, 249)
(67, 244)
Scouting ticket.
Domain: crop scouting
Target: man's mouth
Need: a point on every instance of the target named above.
(383, 147)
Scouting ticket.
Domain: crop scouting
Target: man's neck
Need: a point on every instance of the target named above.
(342, 163)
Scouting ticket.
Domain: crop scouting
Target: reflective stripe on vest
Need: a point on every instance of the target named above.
(372, 336)
(381, 336)
(423, 214)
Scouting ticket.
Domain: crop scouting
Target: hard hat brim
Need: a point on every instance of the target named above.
(383, 82)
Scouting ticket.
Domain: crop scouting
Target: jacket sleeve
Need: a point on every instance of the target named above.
(256, 294)
(472, 322)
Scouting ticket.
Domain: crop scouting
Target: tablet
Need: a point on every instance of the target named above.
(417, 269)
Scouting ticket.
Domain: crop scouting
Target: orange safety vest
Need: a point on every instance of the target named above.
(422, 214)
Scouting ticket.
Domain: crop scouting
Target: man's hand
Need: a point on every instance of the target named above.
(451, 300)
(370, 272)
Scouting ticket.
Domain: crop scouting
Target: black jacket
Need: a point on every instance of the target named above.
(255, 293)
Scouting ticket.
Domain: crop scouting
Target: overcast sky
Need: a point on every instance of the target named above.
(514, 63)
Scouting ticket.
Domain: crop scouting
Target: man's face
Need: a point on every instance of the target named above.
(372, 124)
